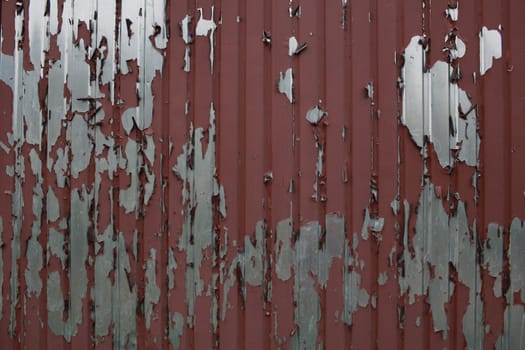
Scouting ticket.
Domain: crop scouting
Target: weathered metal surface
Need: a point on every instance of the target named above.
(277, 174)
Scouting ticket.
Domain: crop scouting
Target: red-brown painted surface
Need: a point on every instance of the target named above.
(231, 174)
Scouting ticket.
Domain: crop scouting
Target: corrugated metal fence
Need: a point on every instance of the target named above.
(262, 174)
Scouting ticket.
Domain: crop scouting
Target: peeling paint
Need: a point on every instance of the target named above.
(437, 232)
(489, 48)
(152, 296)
(292, 45)
(175, 331)
(197, 170)
(286, 84)
(133, 163)
(185, 30)
(452, 12)
(148, 23)
(434, 106)
(34, 249)
(80, 201)
(84, 137)
(308, 260)
(207, 27)
(514, 327)
(493, 256)
(315, 115)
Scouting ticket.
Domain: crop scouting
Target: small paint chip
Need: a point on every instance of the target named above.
(185, 29)
(286, 84)
(452, 12)
(294, 48)
(315, 115)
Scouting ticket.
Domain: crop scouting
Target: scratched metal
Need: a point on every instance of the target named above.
(262, 175)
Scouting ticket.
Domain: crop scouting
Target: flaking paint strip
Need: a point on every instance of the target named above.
(78, 252)
(176, 329)
(134, 163)
(152, 295)
(489, 48)
(52, 206)
(311, 265)
(285, 85)
(114, 298)
(452, 12)
(437, 232)
(207, 27)
(103, 290)
(145, 23)
(197, 170)
(493, 256)
(34, 251)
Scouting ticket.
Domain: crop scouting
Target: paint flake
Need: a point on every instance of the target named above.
(286, 84)
(489, 48)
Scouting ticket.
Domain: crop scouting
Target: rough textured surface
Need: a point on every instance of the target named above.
(262, 174)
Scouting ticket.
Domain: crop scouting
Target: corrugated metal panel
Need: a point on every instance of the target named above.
(305, 174)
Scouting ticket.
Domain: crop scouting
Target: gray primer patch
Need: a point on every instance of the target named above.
(437, 232)
(81, 146)
(489, 48)
(176, 328)
(124, 314)
(514, 329)
(286, 84)
(134, 163)
(252, 259)
(432, 102)
(373, 224)
(285, 255)
(17, 204)
(152, 296)
(80, 202)
(198, 172)
(382, 278)
(517, 258)
(493, 255)
(147, 53)
(103, 291)
(354, 295)
(52, 206)
(128, 198)
(172, 266)
(61, 166)
(311, 265)
(513, 336)
(22, 99)
(318, 170)
(56, 246)
(34, 248)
